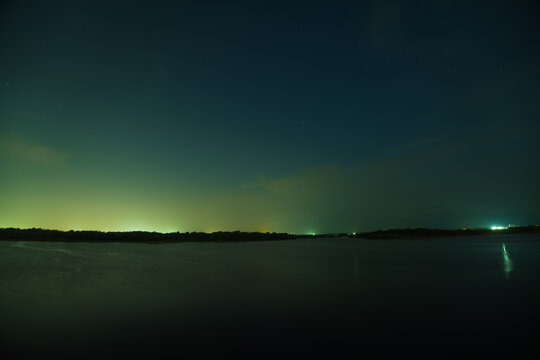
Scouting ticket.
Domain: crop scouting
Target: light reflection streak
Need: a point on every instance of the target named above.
(507, 262)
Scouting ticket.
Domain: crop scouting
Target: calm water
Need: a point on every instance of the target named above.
(302, 297)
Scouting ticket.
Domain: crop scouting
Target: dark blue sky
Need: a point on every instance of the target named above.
(292, 116)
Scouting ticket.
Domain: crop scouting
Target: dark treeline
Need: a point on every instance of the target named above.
(421, 233)
(137, 236)
(238, 236)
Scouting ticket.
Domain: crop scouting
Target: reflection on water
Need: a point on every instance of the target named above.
(508, 263)
(25, 245)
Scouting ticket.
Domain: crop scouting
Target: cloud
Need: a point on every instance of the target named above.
(412, 185)
(422, 143)
(22, 149)
(307, 182)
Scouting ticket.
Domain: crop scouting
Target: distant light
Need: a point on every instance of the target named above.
(498, 228)
(354, 233)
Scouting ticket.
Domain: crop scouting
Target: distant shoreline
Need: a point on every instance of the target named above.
(423, 233)
(13, 234)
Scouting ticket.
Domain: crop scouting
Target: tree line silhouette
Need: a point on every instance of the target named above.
(137, 236)
(422, 233)
(34, 234)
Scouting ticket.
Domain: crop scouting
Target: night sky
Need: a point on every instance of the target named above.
(289, 116)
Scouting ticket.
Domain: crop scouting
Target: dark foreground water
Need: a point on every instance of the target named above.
(298, 298)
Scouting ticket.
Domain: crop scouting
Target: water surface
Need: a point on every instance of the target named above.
(294, 297)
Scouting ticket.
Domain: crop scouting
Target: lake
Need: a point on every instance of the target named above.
(295, 298)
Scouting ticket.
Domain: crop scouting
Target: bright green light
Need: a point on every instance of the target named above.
(498, 227)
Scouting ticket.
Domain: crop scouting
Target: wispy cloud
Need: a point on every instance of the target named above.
(385, 191)
(306, 182)
(431, 141)
(23, 149)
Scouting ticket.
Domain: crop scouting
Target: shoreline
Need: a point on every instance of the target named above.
(44, 235)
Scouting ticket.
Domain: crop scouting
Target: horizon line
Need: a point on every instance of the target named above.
(270, 232)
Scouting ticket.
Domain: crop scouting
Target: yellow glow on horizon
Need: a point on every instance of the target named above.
(263, 229)
(102, 203)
